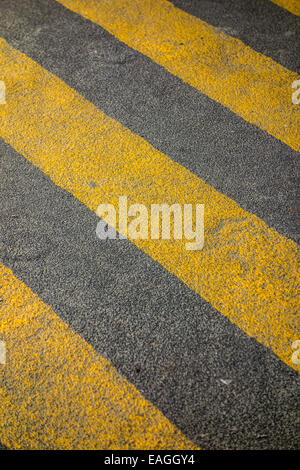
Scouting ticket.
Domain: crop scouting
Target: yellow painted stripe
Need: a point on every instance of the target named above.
(246, 270)
(291, 5)
(250, 84)
(56, 392)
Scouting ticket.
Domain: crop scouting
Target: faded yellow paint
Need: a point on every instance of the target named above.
(250, 84)
(246, 270)
(291, 5)
(56, 392)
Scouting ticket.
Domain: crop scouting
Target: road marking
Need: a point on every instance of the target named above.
(291, 5)
(246, 270)
(57, 393)
(253, 86)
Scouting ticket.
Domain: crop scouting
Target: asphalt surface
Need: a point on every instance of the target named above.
(165, 339)
(264, 26)
(159, 334)
(239, 159)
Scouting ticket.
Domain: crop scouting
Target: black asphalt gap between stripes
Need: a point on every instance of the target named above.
(240, 160)
(165, 339)
(261, 24)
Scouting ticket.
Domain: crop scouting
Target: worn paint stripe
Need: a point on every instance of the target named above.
(250, 84)
(260, 24)
(58, 393)
(291, 5)
(246, 270)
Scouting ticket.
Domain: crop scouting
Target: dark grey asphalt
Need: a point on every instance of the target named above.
(261, 24)
(164, 338)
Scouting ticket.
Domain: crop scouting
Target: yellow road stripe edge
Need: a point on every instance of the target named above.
(246, 270)
(291, 5)
(56, 392)
(253, 86)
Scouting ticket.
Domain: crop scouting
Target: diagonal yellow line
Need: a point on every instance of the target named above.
(250, 84)
(246, 270)
(291, 5)
(56, 392)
